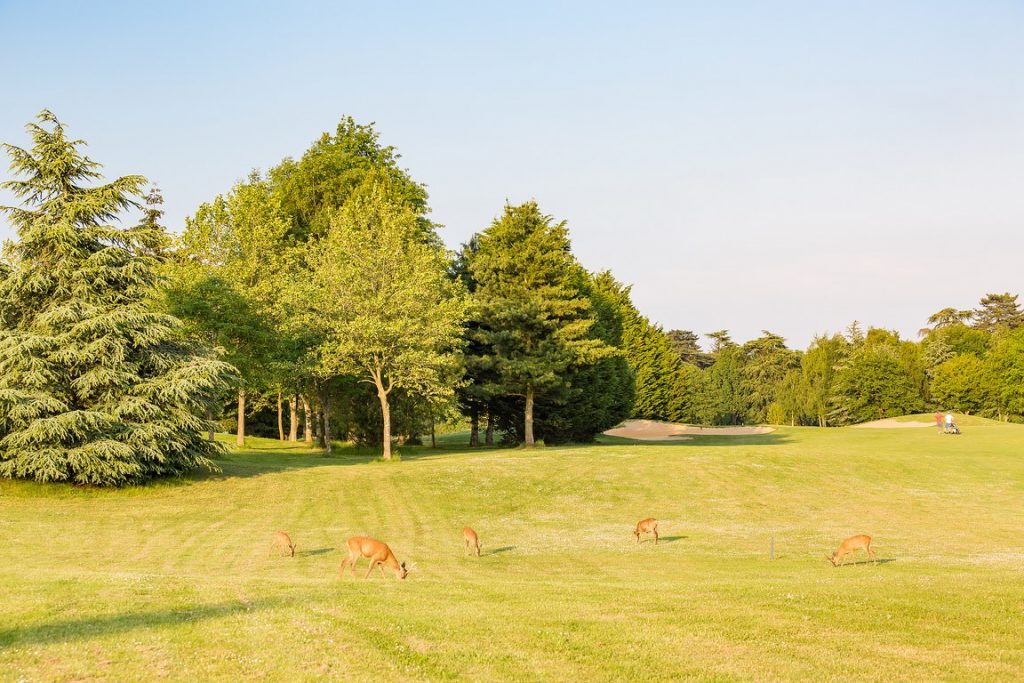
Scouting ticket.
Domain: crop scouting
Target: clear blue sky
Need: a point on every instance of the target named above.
(745, 165)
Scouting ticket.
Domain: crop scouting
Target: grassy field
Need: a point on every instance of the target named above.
(173, 580)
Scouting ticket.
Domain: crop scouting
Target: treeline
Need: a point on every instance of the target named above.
(318, 299)
(969, 361)
(324, 282)
(318, 290)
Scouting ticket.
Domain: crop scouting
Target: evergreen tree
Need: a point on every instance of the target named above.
(766, 363)
(95, 387)
(597, 395)
(998, 311)
(529, 308)
(685, 344)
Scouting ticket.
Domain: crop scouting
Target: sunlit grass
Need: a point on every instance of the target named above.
(174, 579)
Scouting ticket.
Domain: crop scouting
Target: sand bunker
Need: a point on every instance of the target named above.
(890, 423)
(652, 430)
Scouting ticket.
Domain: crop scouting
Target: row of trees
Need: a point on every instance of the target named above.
(320, 285)
(321, 288)
(970, 361)
(326, 285)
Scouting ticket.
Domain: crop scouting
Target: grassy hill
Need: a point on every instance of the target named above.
(173, 580)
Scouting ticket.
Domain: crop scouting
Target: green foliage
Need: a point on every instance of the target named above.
(655, 364)
(226, 279)
(311, 189)
(766, 363)
(724, 401)
(873, 384)
(685, 344)
(818, 367)
(1005, 364)
(961, 384)
(527, 305)
(95, 387)
(381, 301)
(998, 311)
(598, 395)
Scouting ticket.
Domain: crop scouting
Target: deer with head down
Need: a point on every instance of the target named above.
(377, 552)
(646, 526)
(282, 542)
(850, 545)
(471, 541)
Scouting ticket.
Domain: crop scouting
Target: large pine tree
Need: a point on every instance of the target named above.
(95, 386)
(528, 308)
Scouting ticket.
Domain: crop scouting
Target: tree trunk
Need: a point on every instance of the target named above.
(280, 417)
(209, 419)
(240, 433)
(529, 416)
(489, 434)
(293, 418)
(474, 428)
(308, 436)
(325, 432)
(385, 411)
(433, 438)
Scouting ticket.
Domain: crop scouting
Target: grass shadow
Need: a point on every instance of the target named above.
(770, 439)
(314, 552)
(497, 551)
(860, 562)
(670, 539)
(86, 628)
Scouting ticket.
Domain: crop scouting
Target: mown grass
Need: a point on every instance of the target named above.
(173, 580)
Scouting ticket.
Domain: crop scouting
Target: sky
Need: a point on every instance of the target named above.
(782, 166)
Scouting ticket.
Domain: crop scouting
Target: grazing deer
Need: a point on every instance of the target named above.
(850, 545)
(281, 541)
(378, 553)
(647, 526)
(472, 540)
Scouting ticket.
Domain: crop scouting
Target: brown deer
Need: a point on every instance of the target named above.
(646, 526)
(378, 553)
(850, 545)
(472, 540)
(281, 541)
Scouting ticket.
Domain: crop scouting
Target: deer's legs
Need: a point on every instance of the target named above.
(372, 563)
(655, 537)
(380, 566)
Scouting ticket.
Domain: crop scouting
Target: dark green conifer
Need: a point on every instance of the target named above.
(95, 386)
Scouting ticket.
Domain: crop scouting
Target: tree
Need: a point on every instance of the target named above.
(685, 344)
(961, 384)
(945, 318)
(767, 362)
(225, 283)
(724, 401)
(381, 296)
(1005, 373)
(528, 307)
(597, 395)
(818, 368)
(872, 384)
(95, 386)
(311, 189)
(998, 311)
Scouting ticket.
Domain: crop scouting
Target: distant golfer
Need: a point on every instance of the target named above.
(938, 421)
(949, 422)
